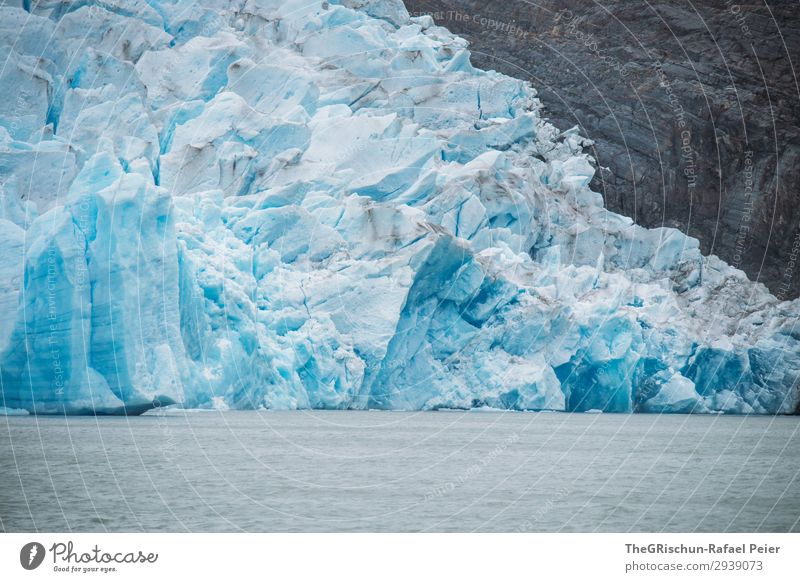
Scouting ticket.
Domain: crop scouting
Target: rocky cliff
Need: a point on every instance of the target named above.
(693, 106)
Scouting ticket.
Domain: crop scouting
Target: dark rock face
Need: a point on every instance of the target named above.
(694, 108)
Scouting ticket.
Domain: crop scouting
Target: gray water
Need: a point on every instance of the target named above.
(376, 471)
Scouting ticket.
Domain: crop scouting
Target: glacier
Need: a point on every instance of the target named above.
(288, 204)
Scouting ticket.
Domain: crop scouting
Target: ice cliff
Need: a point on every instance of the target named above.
(307, 204)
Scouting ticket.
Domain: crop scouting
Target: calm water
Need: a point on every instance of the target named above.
(375, 471)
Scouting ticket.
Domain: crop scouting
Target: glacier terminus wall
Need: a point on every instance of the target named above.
(303, 204)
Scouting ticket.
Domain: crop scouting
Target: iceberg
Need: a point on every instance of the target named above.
(292, 204)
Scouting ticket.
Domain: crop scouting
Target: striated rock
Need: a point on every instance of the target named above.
(694, 109)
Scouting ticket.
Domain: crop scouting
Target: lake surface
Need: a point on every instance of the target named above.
(393, 471)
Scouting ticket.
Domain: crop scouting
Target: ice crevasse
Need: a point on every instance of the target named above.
(303, 204)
